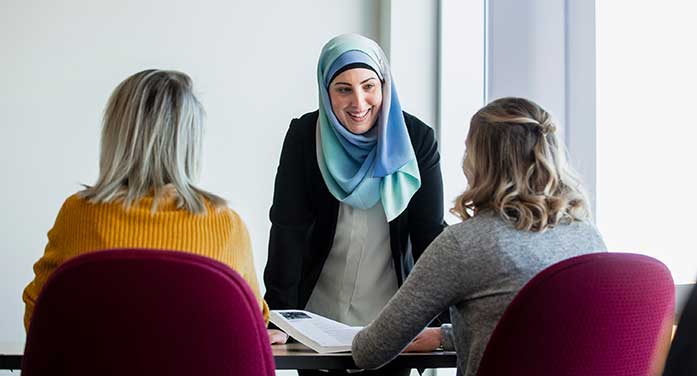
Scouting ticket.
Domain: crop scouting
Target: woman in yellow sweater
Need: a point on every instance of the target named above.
(145, 195)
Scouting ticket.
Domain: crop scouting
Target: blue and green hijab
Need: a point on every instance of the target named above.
(379, 165)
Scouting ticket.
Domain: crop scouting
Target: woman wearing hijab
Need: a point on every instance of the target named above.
(358, 193)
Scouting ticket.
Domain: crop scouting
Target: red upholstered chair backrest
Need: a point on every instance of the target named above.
(146, 312)
(596, 314)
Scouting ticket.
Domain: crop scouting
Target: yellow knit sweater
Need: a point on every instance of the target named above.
(82, 227)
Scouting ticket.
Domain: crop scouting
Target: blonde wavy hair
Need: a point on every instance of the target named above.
(515, 165)
(151, 143)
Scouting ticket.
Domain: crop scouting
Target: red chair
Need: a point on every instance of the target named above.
(146, 312)
(596, 314)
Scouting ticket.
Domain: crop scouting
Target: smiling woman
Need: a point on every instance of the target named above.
(358, 192)
(356, 96)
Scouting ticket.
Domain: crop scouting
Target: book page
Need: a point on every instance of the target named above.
(325, 332)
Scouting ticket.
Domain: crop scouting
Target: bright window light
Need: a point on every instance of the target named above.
(646, 106)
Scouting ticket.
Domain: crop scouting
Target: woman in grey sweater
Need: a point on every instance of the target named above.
(524, 209)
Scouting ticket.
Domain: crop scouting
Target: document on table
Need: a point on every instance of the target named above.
(314, 331)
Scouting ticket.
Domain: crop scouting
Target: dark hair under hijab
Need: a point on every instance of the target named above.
(352, 66)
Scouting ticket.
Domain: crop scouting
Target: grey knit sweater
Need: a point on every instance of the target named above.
(475, 268)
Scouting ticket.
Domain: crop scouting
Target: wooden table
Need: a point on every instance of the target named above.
(289, 356)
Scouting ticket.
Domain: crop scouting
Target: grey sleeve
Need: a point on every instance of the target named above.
(432, 286)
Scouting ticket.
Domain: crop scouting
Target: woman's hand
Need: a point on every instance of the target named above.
(428, 340)
(277, 337)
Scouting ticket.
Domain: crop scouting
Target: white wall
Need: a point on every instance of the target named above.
(545, 50)
(253, 65)
(461, 90)
(526, 52)
(409, 36)
(581, 91)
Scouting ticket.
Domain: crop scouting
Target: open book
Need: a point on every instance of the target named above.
(314, 331)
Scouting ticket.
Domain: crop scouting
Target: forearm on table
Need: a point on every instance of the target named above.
(422, 297)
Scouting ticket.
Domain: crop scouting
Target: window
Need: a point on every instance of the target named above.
(646, 173)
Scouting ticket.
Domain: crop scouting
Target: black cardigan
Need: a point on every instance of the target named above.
(304, 214)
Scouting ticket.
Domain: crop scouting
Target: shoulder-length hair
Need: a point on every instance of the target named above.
(151, 143)
(515, 165)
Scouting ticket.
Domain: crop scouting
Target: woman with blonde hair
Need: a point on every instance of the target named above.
(145, 195)
(523, 210)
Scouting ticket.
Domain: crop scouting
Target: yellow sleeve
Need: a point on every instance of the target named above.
(244, 261)
(55, 253)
